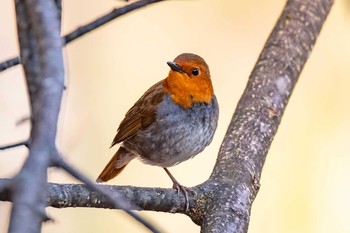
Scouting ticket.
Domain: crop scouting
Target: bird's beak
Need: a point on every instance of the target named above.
(175, 67)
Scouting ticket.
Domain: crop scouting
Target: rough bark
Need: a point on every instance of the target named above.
(41, 50)
(258, 114)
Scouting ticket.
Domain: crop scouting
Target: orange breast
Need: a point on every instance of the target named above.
(186, 91)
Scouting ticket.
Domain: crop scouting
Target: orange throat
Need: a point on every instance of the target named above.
(186, 91)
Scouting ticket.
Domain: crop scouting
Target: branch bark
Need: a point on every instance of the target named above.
(80, 195)
(259, 112)
(41, 50)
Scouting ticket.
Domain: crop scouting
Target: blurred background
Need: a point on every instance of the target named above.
(305, 184)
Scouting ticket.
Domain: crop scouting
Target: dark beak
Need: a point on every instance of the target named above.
(175, 67)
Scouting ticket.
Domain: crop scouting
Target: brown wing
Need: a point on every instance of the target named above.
(141, 115)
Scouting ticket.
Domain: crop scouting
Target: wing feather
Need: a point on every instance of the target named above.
(142, 114)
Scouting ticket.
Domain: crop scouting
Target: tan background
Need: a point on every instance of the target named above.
(305, 184)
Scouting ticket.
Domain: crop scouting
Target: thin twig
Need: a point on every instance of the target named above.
(80, 31)
(23, 143)
(9, 63)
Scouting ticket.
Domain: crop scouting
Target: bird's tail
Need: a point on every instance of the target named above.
(119, 161)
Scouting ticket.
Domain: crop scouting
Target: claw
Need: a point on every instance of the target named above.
(179, 187)
(183, 189)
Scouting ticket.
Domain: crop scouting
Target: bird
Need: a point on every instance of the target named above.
(174, 120)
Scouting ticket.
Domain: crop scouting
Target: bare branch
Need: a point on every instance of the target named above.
(259, 112)
(79, 195)
(41, 49)
(115, 13)
(155, 199)
(138, 198)
(9, 63)
(116, 201)
(18, 144)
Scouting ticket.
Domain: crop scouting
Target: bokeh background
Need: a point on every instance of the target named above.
(305, 184)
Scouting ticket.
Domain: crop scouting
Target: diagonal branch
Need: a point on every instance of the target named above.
(80, 31)
(254, 124)
(18, 144)
(9, 63)
(115, 13)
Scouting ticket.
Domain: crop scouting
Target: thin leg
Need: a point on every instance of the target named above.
(178, 187)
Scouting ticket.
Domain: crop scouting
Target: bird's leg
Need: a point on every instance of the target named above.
(178, 187)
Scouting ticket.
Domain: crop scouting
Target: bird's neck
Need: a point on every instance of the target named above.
(185, 91)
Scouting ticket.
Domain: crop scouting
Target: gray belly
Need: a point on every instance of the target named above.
(177, 133)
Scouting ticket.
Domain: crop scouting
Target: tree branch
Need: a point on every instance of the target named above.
(105, 19)
(41, 49)
(14, 145)
(80, 195)
(9, 63)
(80, 31)
(254, 124)
(115, 199)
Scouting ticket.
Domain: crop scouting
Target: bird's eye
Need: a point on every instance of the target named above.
(195, 72)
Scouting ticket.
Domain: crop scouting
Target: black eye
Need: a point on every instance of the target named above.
(195, 72)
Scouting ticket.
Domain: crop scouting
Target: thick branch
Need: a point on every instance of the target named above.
(41, 45)
(115, 13)
(259, 112)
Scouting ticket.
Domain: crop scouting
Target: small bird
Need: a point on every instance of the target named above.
(173, 121)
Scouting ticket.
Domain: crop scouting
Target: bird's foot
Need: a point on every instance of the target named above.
(178, 187)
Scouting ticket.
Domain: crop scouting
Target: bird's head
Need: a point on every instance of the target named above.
(189, 80)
